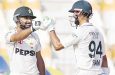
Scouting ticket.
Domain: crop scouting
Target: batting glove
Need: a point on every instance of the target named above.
(105, 71)
(52, 25)
(43, 24)
(35, 25)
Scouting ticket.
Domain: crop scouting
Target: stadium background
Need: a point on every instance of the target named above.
(61, 62)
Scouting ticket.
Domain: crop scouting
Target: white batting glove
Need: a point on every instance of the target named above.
(51, 28)
(52, 25)
(35, 25)
(43, 24)
(105, 71)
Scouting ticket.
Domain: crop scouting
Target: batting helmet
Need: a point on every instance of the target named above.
(23, 11)
(81, 4)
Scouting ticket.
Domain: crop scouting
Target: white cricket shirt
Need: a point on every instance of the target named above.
(23, 54)
(89, 47)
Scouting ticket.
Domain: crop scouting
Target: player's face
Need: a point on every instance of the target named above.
(77, 11)
(25, 22)
(78, 16)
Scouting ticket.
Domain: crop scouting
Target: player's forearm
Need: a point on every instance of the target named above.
(55, 40)
(41, 67)
(105, 69)
(20, 35)
(104, 62)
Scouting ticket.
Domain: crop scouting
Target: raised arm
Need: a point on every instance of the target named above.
(58, 45)
(20, 35)
(55, 40)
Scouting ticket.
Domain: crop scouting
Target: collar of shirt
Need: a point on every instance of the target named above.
(85, 24)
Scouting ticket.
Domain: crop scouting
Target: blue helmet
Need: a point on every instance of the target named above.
(23, 11)
(81, 4)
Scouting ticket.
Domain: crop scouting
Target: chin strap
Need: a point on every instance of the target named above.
(76, 22)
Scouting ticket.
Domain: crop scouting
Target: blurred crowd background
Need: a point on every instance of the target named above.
(59, 62)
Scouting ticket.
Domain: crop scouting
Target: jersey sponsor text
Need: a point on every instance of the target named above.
(24, 52)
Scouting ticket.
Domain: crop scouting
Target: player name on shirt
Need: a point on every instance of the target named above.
(95, 48)
(96, 62)
(94, 34)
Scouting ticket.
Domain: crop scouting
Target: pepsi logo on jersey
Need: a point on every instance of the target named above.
(24, 52)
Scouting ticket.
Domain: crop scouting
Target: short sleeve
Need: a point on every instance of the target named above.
(38, 45)
(77, 35)
(8, 36)
(69, 41)
(73, 39)
(103, 45)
